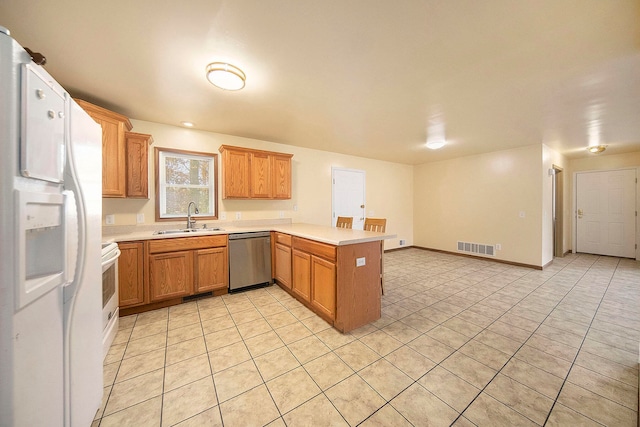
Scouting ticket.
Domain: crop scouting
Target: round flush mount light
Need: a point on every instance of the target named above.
(225, 76)
(187, 124)
(596, 148)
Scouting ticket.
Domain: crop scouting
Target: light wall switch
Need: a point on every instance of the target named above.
(238, 215)
(281, 214)
(110, 219)
(140, 218)
(223, 215)
(295, 208)
(361, 262)
(498, 247)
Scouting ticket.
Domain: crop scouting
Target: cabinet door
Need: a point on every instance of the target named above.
(302, 274)
(236, 174)
(211, 269)
(260, 176)
(281, 177)
(130, 278)
(323, 286)
(137, 149)
(113, 159)
(170, 275)
(283, 264)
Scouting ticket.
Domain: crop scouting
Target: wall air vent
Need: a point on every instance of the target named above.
(477, 248)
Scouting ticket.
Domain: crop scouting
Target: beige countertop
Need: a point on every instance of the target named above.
(320, 233)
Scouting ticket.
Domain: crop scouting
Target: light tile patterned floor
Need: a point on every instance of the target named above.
(461, 341)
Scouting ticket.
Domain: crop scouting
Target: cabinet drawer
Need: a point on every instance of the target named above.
(186, 243)
(315, 248)
(284, 239)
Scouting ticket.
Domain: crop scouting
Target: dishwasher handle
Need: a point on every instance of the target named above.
(249, 235)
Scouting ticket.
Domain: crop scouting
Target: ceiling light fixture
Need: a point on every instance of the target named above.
(436, 144)
(225, 76)
(596, 148)
(188, 124)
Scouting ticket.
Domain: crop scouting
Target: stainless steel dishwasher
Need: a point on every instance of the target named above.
(249, 260)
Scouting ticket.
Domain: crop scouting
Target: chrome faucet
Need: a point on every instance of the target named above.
(191, 223)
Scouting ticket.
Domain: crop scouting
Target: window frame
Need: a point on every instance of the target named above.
(161, 189)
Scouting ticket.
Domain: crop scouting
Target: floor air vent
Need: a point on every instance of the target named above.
(477, 248)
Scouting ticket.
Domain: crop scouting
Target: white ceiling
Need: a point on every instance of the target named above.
(361, 77)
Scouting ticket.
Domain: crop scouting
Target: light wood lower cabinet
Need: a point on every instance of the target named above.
(211, 269)
(170, 275)
(314, 275)
(329, 280)
(282, 255)
(130, 277)
(185, 266)
(302, 275)
(323, 286)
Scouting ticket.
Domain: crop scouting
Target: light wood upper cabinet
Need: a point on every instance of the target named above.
(281, 177)
(255, 174)
(114, 126)
(137, 154)
(235, 174)
(130, 274)
(260, 176)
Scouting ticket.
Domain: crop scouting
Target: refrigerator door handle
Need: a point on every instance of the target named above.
(71, 232)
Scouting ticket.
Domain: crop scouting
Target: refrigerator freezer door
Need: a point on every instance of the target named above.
(42, 134)
(40, 245)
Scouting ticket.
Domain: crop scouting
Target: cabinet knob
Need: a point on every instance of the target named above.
(40, 94)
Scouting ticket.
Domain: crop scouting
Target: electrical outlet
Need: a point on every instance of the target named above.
(498, 247)
(140, 218)
(110, 219)
(522, 214)
(403, 242)
(361, 262)
(295, 208)
(281, 214)
(238, 215)
(223, 215)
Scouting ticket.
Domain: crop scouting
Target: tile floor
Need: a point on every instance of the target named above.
(461, 341)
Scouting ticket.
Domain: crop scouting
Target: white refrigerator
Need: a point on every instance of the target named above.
(50, 249)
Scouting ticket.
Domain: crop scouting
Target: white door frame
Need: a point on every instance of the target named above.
(364, 189)
(574, 213)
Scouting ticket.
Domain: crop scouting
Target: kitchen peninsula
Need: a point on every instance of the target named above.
(334, 272)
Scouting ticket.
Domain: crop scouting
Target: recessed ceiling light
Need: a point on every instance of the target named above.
(188, 124)
(597, 148)
(436, 144)
(225, 76)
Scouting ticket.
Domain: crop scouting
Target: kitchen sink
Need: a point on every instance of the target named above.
(188, 230)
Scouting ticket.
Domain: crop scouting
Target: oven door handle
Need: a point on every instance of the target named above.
(115, 255)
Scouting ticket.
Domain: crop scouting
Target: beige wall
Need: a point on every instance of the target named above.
(551, 158)
(389, 186)
(478, 199)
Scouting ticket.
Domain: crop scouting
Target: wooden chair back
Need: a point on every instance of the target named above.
(375, 224)
(344, 222)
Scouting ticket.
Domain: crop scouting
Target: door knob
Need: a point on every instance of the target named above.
(579, 213)
(362, 206)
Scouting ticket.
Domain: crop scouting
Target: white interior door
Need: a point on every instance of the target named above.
(605, 214)
(348, 191)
